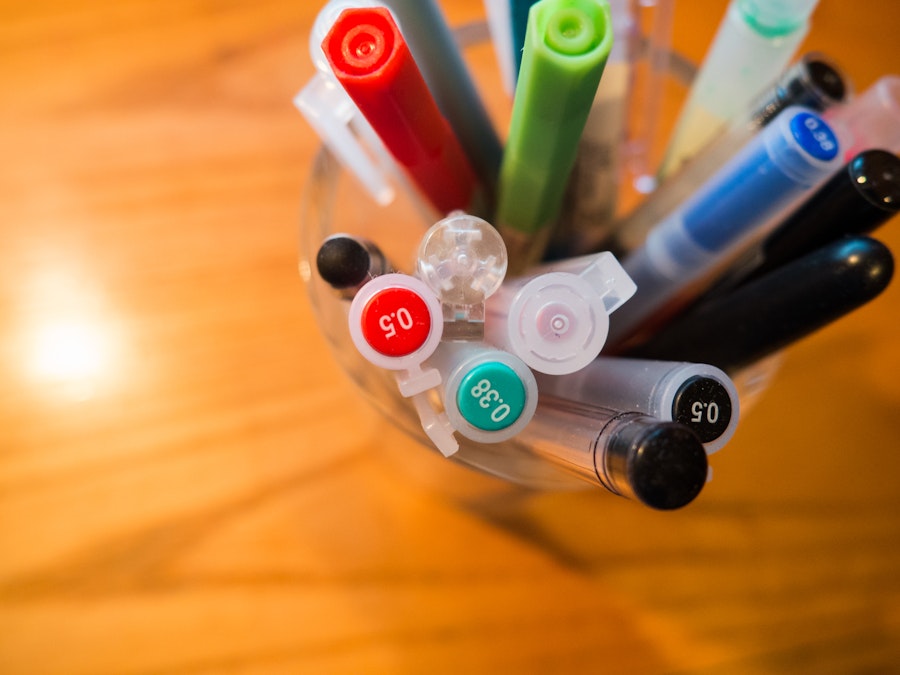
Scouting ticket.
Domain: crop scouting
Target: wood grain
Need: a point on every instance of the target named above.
(203, 491)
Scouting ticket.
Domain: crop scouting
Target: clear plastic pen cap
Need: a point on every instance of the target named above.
(871, 120)
(463, 260)
(776, 17)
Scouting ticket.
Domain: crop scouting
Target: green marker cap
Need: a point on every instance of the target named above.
(567, 43)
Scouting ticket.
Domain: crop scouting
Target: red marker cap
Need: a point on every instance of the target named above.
(370, 59)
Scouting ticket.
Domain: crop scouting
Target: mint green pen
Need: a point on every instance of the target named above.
(567, 43)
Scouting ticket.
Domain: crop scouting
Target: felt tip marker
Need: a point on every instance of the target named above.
(489, 395)
(700, 396)
(661, 464)
(734, 209)
(463, 259)
(762, 316)
(566, 47)
(370, 59)
(557, 319)
(346, 263)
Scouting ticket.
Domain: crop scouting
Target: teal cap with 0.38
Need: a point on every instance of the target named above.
(491, 396)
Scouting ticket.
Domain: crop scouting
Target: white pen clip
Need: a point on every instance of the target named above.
(463, 259)
(335, 117)
(557, 320)
(607, 277)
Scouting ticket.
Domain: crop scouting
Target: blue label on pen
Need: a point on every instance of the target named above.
(814, 136)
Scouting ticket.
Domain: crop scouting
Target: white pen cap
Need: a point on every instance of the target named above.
(557, 321)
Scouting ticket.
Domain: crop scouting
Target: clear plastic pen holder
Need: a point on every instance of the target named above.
(334, 201)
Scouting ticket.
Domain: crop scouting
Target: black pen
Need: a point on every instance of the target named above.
(856, 200)
(762, 316)
(661, 464)
(346, 263)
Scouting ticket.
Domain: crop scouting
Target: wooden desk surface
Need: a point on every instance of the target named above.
(188, 484)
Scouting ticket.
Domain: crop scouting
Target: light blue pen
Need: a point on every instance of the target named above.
(439, 58)
(735, 207)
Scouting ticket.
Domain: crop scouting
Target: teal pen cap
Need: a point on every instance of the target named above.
(773, 18)
(566, 47)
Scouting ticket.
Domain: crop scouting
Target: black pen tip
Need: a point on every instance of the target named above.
(669, 468)
(343, 261)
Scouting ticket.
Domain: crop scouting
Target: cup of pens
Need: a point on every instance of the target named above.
(501, 304)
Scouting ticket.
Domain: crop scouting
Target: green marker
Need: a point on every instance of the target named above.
(567, 43)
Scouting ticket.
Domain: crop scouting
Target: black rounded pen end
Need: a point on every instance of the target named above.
(343, 261)
(669, 468)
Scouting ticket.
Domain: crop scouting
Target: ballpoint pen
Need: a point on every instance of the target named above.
(371, 61)
(661, 464)
(698, 395)
(557, 318)
(762, 316)
(815, 82)
(566, 48)
(441, 63)
(732, 210)
(754, 42)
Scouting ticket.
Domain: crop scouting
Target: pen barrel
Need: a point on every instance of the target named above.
(813, 82)
(769, 313)
(748, 52)
(374, 65)
(733, 209)
(700, 396)
(661, 464)
(856, 200)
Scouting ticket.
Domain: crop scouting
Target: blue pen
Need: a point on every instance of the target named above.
(734, 208)
(438, 57)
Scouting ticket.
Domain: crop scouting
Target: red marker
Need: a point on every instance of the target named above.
(372, 62)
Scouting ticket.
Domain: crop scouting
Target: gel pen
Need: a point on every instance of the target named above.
(734, 208)
(700, 396)
(815, 82)
(661, 464)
